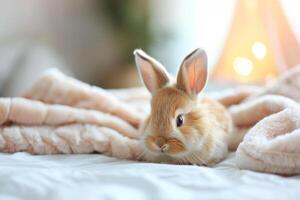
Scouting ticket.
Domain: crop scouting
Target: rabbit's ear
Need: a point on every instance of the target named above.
(193, 73)
(152, 73)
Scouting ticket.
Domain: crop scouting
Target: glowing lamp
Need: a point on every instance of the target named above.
(260, 44)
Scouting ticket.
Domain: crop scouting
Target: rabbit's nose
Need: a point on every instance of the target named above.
(161, 143)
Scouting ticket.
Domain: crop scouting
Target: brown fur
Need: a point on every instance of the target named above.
(206, 115)
(167, 100)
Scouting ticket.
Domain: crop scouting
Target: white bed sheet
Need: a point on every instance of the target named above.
(25, 176)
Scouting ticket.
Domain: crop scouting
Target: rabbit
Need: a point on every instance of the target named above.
(183, 127)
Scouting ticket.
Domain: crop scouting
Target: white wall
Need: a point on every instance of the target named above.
(192, 24)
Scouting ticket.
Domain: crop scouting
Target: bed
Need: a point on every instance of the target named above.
(94, 176)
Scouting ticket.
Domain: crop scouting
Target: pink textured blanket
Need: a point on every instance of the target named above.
(59, 114)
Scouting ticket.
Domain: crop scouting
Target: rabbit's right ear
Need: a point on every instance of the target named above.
(193, 73)
(152, 73)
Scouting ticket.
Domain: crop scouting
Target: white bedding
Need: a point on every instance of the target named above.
(94, 176)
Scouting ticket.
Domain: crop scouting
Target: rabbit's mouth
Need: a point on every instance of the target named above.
(165, 157)
(164, 146)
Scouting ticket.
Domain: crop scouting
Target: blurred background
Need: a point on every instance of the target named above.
(247, 41)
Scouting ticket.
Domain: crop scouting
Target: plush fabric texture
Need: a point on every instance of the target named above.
(59, 114)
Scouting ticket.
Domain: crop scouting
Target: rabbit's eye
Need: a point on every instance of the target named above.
(179, 120)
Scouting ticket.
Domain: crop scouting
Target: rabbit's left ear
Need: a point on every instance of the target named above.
(152, 73)
(193, 73)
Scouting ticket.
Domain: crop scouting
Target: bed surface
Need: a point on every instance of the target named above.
(24, 176)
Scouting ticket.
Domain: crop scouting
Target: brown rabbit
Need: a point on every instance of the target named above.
(183, 127)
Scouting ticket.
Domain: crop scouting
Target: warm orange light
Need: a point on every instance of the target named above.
(259, 50)
(243, 66)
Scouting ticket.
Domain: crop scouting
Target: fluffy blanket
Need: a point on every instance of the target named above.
(59, 114)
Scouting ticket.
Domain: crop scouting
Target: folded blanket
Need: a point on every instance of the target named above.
(59, 114)
(55, 88)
